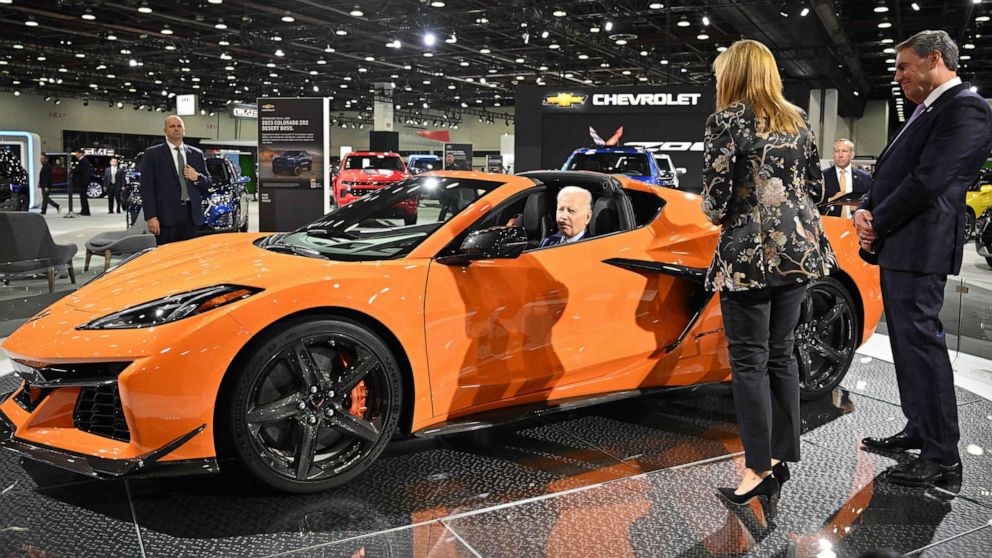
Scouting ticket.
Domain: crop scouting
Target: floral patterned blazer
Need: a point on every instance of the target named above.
(762, 188)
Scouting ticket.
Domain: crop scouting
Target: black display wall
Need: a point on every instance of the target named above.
(384, 141)
(125, 145)
(553, 121)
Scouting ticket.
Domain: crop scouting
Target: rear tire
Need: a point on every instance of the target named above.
(314, 405)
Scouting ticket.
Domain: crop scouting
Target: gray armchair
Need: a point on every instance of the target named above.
(27, 248)
(120, 243)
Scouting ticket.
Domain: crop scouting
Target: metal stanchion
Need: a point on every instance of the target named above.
(68, 188)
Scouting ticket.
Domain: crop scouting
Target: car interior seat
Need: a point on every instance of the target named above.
(635, 167)
(591, 165)
(605, 217)
(535, 219)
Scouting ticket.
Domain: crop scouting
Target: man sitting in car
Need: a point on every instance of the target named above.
(572, 216)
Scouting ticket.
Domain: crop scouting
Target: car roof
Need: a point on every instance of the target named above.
(372, 154)
(611, 149)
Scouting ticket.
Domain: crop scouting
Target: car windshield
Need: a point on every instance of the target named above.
(216, 169)
(633, 164)
(425, 165)
(385, 224)
(378, 162)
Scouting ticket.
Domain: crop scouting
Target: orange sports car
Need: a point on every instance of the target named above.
(299, 355)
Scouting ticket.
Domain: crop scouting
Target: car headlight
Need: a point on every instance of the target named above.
(172, 308)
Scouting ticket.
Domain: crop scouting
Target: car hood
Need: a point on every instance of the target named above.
(372, 175)
(186, 266)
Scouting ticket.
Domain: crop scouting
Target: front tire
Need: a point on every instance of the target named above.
(95, 190)
(826, 337)
(314, 405)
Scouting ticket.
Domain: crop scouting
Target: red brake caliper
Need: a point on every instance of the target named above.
(358, 395)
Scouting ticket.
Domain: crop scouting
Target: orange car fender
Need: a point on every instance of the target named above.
(390, 293)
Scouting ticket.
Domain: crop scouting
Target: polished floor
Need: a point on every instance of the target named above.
(635, 478)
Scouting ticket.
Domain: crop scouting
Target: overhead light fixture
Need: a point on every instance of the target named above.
(880, 7)
(357, 12)
(484, 50)
(279, 52)
(702, 36)
(884, 24)
(545, 34)
(288, 17)
(915, 6)
(88, 15)
(111, 37)
(682, 22)
(559, 13)
(656, 5)
(430, 39)
(982, 18)
(31, 22)
(165, 30)
(216, 1)
(706, 20)
(437, 4)
(220, 25)
(804, 12)
(608, 26)
(341, 32)
(328, 49)
(144, 8)
(452, 39)
(554, 46)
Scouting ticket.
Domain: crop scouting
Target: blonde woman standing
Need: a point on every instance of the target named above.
(761, 184)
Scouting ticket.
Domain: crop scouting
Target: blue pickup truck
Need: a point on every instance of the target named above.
(634, 162)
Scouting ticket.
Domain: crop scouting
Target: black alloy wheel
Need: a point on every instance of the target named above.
(969, 224)
(826, 337)
(315, 405)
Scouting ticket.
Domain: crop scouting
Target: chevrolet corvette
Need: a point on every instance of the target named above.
(298, 356)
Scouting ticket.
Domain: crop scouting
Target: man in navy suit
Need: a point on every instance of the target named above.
(842, 178)
(113, 182)
(573, 215)
(913, 220)
(173, 178)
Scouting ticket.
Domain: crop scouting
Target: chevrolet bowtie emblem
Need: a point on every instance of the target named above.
(565, 100)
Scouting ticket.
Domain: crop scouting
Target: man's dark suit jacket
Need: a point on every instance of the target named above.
(81, 176)
(160, 189)
(860, 182)
(555, 238)
(917, 194)
(118, 181)
(45, 178)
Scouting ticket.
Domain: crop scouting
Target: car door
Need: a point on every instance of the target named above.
(555, 322)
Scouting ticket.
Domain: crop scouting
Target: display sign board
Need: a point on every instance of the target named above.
(293, 140)
(494, 163)
(244, 111)
(185, 105)
(458, 156)
(552, 122)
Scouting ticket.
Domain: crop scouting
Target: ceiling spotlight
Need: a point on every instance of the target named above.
(437, 4)
(288, 17)
(702, 36)
(341, 32)
(706, 20)
(880, 7)
(884, 24)
(216, 1)
(545, 34)
(682, 22)
(915, 6)
(452, 39)
(111, 37)
(120, 105)
(132, 63)
(559, 13)
(220, 25)
(484, 50)
(554, 46)
(429, 39)
(144, 8)
(594, 29)
(982, 18)
(357, 12)
(656, 5)
(608, 26)
(804, 12)
(165, 30)
(88, 15)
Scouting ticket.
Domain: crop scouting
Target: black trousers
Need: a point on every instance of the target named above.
(84, 201)
(760, 327)
(114, 195)
(46, 200)
(912, 304)
(183, 230)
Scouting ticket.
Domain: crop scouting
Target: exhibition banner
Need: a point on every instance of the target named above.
(458, 156)
(293, 139)
(552, 122)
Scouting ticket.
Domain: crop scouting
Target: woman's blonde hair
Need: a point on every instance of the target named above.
(747, 72)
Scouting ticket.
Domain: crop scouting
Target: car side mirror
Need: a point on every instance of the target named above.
(681, 170)
(490, 244)
(986, 188)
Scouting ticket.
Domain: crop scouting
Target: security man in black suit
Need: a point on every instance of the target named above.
(173, 179)
(81, 172)
(45, 183)
(113, 183)
(913, 220)
(842, 178)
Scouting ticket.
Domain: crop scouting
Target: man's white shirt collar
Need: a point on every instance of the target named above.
(173, 147)
(574, 238)
(936, 93)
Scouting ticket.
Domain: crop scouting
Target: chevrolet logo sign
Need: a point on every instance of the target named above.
(565, 100)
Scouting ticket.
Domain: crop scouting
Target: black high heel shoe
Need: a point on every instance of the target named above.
(768, 487)
(781, 472)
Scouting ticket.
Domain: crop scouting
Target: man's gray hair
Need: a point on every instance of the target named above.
(845, 140)
(925, 42)
(586, 196)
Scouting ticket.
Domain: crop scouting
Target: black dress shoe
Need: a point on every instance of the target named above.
(768, 487)
(923, 472)
(896, 442)
(781, 472)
